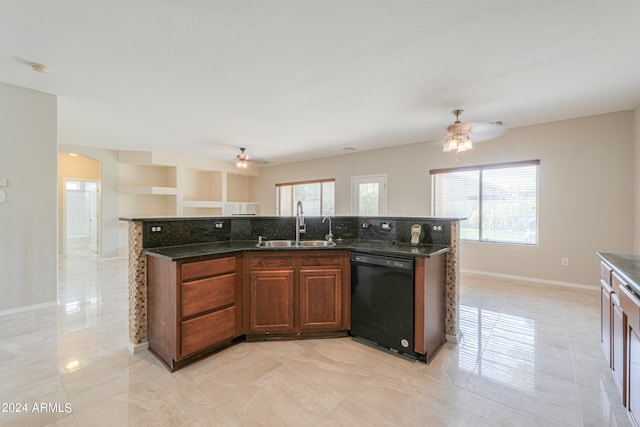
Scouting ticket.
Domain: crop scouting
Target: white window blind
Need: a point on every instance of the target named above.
(499, 201)
(317, 197)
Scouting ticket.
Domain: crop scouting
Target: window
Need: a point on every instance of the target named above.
(499, 202)
(317, 197)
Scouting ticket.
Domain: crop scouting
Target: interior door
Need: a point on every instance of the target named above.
(93, 190)
(369, 195)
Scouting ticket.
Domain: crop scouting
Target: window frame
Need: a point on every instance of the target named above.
(480, 169)
(306, 182)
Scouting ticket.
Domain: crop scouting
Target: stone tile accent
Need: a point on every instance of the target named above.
(453, 282)
(137, 286)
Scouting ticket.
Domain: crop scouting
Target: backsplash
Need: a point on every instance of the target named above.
(182, 231)
(435, 231)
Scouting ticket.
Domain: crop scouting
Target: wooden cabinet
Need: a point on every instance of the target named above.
(613, 326)
(630, 303)
(320, 299)
(605, 310)
(193, 307)
(271, 301)
(618, 345)
(294, 292)
(430, 305)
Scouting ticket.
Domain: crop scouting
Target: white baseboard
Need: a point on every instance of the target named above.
(27, 308)
(531, 280)
(112, 258)
(455, 339)
(136, 348)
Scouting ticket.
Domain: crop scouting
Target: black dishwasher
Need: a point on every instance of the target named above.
(382, 301)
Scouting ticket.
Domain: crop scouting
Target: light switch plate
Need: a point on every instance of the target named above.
(3, 196)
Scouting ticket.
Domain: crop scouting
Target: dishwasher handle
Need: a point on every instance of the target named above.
(382, 261)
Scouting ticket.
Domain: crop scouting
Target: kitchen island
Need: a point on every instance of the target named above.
(149, 250)
(204, 297)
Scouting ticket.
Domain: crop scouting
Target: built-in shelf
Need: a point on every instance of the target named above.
(241, 208)
(156, 184)
(201, 185)
(202, 204)
(165, 191)
(200, 211)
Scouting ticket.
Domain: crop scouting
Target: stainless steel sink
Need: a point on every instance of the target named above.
(276, 244)
(292, 244)
(316, 243)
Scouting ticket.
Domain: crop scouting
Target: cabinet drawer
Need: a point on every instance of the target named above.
(616, 283)
(207, 294)
(207, 330)
(320, 260)
(630, 303)
(605, 272)
(271, 261)
(210, 267)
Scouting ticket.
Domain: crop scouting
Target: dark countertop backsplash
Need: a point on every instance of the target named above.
(161, 232)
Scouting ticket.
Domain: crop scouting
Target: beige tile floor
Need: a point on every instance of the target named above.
(529, 356)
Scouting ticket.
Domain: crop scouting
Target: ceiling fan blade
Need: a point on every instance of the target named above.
(480, 132)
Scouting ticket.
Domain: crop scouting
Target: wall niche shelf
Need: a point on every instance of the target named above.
(161, 184)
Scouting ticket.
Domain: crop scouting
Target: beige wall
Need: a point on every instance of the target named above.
(406, 168)
(28, 238)
(585, 200)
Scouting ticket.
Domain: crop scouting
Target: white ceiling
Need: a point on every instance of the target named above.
(293, 80)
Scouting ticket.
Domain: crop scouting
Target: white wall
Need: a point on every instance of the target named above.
(110, 228)
(585, 200)
(636, 180)
(28, 228)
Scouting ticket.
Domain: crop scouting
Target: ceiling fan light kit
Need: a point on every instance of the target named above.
(242, 159)
(459, 139)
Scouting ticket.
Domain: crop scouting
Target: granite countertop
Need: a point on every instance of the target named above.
(627, 266)
(201, 250)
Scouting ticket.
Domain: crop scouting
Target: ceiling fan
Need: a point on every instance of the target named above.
(461, 136)
(243, 159)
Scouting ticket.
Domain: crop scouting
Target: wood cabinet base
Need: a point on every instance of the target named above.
(279, 336)
(173, 365)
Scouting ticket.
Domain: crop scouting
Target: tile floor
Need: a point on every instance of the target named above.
(529, 356)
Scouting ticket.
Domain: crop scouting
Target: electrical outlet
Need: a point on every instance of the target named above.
(385, 226)
(437, 228)
(156, 228)
(365, 225)
(218, 225)
(564, 261)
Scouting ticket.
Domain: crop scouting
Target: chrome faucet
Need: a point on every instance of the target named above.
(329, 236)
(300, 225)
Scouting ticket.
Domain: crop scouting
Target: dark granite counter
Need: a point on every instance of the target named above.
(627, 266)
(203, 250)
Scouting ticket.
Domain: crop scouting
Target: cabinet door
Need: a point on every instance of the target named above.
(618, 326)
(271, 301)
(321, 299)
(605, 322)
(633, 398)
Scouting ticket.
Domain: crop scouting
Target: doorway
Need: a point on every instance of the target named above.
(369, 195)
(81, 219)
